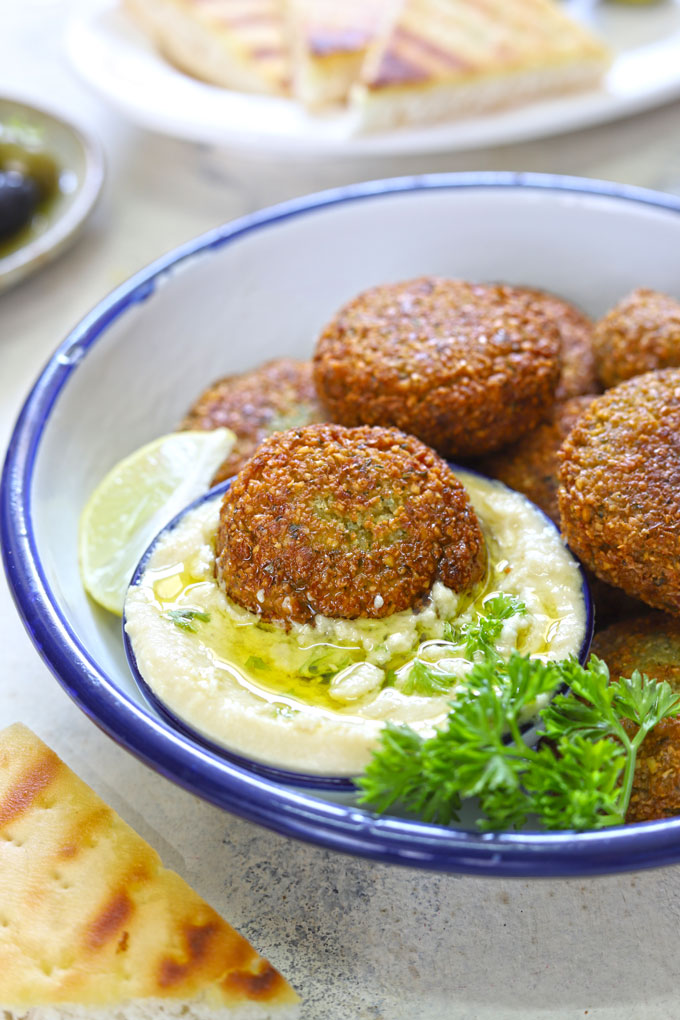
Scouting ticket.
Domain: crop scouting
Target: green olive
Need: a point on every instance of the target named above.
(33, 163)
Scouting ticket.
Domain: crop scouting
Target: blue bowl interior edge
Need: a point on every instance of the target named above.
(255, 798)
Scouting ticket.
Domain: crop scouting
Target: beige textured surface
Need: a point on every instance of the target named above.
(357, 939)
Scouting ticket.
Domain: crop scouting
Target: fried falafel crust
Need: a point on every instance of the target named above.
(346, 523)
(578, 376)
(650, 643)
(656, 780)
(278, 395)
(465, 367)
(530, 466)
(619, 490)
(610, 604)
(640, 334)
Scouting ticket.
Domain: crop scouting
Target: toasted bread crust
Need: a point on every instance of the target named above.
(238, 44)
(428, 41)
(437, 61)
(329, 41)
(88, 914)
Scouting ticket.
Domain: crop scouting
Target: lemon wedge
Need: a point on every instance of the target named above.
(135, 500)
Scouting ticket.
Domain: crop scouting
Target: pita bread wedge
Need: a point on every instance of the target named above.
(238, 44)
(440, 59)
(91, 924)
(329, 41)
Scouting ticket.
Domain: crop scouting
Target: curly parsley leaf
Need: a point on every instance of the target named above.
(581, 779)
(395, 776)
(478, 638)
(471, 755)
(575, 785)
(644, 702)
(425, 680)
(587, 709)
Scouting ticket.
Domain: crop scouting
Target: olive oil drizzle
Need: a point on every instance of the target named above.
(272, 664)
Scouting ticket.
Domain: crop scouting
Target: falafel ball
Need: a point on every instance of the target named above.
(656, 779)
(610, 604)
(278, 395)
(641, 333)
(465, 367)
(650, 643)
(578, 375)
(346, 523)
(619, 489)
(530, 466)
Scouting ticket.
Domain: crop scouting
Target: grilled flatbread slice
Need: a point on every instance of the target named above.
(91, 924)
(439, 59)
(238, 44)
(329, 41)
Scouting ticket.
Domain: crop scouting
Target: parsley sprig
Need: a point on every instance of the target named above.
(475, 639)
(478, 638)
(579, 778)
(423, 679)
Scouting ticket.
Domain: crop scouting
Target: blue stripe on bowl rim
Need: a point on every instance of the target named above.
(289, 812)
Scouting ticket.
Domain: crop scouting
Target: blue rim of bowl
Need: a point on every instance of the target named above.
(303, 780)
(291, 813)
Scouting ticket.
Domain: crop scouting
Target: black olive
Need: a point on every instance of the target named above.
(19, 197)
(30, 162)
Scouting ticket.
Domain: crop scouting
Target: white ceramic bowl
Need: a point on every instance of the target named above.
(261, 287)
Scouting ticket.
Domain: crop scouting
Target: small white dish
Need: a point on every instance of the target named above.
(81, 164)
(117, 60)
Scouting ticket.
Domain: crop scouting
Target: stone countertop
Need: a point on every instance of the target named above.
(359, 940)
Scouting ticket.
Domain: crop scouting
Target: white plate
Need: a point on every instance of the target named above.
(81, 165)
(117, 60)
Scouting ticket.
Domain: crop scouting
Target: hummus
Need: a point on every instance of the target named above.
(313, 699)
